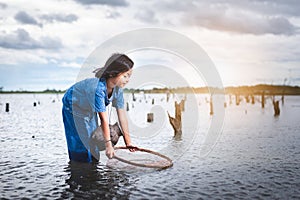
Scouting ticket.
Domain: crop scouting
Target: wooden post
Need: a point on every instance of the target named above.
(176, 122)
(252, 99)
(247, 98)
(211, 105)
(263, 100)
(282, 99)
(182, 107)
(7, 107)
(237, 100)
(276, 108)
(150, 117)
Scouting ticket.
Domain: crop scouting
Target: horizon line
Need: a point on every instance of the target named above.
(154, 88)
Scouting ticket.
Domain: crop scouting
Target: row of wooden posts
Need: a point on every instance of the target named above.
(7, 105)
(263, 101)
(35, 103)
(176, 121)
(237, 98)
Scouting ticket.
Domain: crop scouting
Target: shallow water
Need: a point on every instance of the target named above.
(257, 155)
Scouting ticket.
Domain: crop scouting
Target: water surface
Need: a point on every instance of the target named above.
(256, 157)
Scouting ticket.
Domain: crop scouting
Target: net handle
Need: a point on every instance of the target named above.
(144, 165)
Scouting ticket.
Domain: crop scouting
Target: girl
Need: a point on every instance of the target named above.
(87, 98)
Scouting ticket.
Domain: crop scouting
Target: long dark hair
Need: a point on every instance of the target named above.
(116, 64)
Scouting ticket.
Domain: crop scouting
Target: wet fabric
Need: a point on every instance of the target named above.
(81, 103)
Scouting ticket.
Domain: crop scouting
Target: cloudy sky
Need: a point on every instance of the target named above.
(43, 44)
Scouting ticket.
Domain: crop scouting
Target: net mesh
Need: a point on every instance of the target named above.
(140, 158)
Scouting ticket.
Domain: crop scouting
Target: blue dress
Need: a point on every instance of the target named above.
(81, 103)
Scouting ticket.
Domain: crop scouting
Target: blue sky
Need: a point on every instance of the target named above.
(43, 44)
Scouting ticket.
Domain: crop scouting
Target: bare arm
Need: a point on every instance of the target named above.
(124, 126)
(106, 134)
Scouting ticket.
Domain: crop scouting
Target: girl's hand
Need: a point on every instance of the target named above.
(110, 152)
(132, 148)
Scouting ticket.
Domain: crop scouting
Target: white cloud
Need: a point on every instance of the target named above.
(148, 16)
(103, 2)
(2, 5)
(248, 17)
(240, 36)
(25, 18)
(20, 39)
(70, 64)
(240, 22)
(15, 57)
(58, 17)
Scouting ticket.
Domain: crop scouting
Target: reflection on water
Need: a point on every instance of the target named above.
(256, 157)
(93, 181)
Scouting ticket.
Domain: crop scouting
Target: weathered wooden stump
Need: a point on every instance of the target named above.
(176, 122)
(182, 103)
(150, 117)
(276, 108)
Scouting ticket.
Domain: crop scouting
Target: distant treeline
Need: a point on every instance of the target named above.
(267, 89)
(48, 91)
(241, 90)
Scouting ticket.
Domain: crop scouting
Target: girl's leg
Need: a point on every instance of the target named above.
(76, 148)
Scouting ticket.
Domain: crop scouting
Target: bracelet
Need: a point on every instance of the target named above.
(108, 141)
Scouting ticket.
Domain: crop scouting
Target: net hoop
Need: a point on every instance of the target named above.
(170, 163)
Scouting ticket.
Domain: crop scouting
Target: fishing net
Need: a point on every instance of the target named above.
(140, 158)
